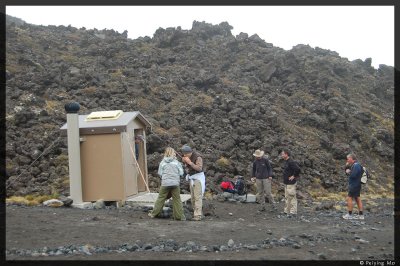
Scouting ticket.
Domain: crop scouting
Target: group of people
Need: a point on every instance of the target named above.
(262, 175)
(171, 170)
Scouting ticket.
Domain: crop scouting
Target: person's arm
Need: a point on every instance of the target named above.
(160, 169)
(269, 169)
(356, 171)
(296, 169)
(180, 168)
(198, 165)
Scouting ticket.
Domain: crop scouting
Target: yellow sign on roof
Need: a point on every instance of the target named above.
(104, 115)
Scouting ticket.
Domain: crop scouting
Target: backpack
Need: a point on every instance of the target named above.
(365, 176)
(226, 185)
(240, 186)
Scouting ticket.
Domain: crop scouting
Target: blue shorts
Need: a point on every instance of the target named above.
(354, 191)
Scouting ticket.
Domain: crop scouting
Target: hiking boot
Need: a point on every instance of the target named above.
(196, 218)
(348, 216)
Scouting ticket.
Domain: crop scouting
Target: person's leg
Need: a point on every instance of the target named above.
(359, 204)
(349, 200)
(268, 191)
(260, 191)
(286, 209)
(258, 195)
(198, 198)
(349, 204)
(192, 201)
(291, 193)
(159, 204)
(264, 188)
(293, 209)
(177, 208)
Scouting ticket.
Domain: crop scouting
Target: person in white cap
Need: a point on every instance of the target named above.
(262, 175)
(194, 169)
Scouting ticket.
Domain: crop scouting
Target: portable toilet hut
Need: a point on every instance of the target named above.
(109, 169)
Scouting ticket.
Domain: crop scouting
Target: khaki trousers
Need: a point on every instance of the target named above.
(290, 199)
(196, 199)
(264, 190)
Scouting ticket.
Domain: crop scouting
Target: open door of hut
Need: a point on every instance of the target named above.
(140, 153)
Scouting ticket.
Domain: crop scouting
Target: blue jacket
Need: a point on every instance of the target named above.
(355, 175)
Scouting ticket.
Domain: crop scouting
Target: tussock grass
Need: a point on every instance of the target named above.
(30, 200)
(319, 195)
(223, 162)
(89, 90)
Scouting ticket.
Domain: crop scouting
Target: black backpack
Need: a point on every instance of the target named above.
(240, 186)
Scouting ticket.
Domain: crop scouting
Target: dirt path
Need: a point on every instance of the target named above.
(129, 234)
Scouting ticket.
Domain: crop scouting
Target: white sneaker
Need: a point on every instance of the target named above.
(348, 216)
(360, 217)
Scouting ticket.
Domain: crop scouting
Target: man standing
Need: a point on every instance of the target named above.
(194, 170)
(262, 174)
(291, 173)
(355, 172)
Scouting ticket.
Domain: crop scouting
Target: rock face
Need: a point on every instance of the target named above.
(225, 95)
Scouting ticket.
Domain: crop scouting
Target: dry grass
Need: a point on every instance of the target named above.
(227, 82)
(308, 98)
(223, 162)
(30, 200)
(159, 130)
(323, 195)
(51, 106)
(205, 100)
(61, 159)
(117, 73)
(387, 123)
(174, 131)
(89, 90)
(245, 90)
(143, 103)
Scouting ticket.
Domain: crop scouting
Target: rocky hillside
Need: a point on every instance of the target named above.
(225, 95)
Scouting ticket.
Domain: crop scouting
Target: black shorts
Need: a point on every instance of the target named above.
(354, 192)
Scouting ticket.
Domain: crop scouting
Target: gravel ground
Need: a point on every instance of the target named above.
(236, 231)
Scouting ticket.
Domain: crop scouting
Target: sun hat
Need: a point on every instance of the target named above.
(258, 153)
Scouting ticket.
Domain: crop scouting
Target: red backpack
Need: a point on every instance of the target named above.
(227, 185)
